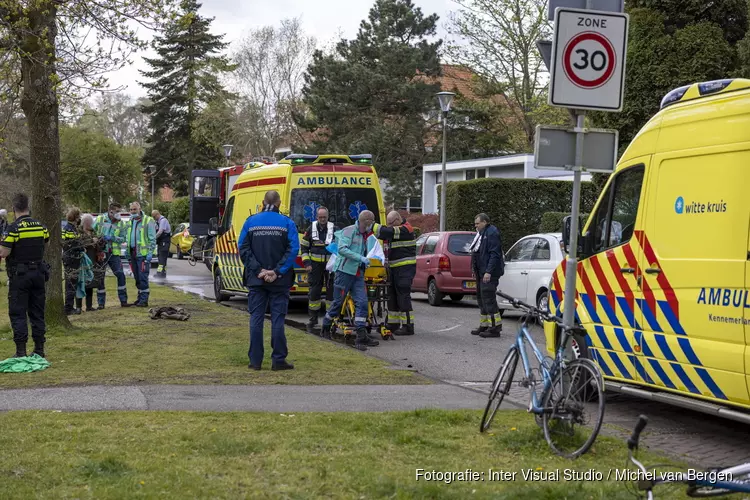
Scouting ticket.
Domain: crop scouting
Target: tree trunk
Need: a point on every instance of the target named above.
(40, 105)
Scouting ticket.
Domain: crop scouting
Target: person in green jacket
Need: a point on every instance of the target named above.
(140, 240)
(110, 228)
(349, 276)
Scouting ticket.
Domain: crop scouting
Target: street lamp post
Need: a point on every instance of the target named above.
(152, 169)
(445, 99)
(228, 152)
(101, 180)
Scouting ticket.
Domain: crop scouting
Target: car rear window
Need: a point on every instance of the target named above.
(458, 244)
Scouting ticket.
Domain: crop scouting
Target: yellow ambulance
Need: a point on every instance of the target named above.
(663, 278)
(344, 184)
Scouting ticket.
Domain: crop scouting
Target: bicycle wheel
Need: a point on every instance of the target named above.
(500, 387)
(572, 423)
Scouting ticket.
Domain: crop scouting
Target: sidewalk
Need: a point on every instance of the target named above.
(263, 398)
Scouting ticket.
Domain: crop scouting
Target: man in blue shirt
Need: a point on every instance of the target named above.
(268, 247)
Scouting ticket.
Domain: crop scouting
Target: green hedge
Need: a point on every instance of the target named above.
(176, 211)
(515, 206)
(552, 222)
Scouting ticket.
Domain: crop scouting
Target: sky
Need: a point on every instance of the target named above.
(323, 19)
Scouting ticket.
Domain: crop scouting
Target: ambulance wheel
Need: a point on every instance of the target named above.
(219, 295)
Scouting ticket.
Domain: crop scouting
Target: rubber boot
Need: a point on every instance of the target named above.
(363, 341)
(479, 330)
(407, 329)
(492, 332)
(20, 350)
(393, 327)
(326, 332)
(312, 323)
(39, 348)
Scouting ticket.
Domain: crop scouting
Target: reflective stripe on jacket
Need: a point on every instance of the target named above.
(314, 249)
(104, 227)
(401, 246)
(146, 229)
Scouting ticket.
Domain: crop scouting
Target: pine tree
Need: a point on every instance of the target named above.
(184, 81)
(372, 94)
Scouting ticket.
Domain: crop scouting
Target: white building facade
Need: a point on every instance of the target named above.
(508, 167)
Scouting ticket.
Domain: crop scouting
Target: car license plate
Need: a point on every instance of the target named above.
(470, 284)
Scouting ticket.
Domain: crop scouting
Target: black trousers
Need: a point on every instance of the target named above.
(162, 248)
(316, 279)
(399, 294)
(487, 301)
(71, 280)
(26, 298)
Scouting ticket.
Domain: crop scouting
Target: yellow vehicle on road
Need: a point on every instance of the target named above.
(664, 276)
(345, 184)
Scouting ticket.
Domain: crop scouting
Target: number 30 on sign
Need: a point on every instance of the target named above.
(588, 67)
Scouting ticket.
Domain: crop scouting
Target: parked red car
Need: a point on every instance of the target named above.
(444, 266)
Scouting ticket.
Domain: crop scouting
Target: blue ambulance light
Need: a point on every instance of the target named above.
(673, 96)
(706, 88)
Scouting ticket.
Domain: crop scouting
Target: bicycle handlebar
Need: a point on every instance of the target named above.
(519, 304)
(635, 437)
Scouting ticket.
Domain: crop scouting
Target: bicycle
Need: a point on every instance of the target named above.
(701, 484)
(568, 387)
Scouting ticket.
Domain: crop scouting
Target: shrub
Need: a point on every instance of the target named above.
(552, 222)
(515, 206)
(422, 223)
(179, 211)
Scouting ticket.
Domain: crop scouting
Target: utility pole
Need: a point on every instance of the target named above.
(152, 170)
(101, 180)
(445, 99)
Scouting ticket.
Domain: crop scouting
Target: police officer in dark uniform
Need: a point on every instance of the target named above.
(401, 251)
(23, 244)
(315, 258)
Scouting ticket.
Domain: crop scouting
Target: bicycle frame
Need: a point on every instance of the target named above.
(523, 338)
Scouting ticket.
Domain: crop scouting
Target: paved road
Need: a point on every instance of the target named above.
(275, 398)
(443, 349)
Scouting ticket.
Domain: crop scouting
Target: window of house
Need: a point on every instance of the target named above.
(470, 174)
(481, 173)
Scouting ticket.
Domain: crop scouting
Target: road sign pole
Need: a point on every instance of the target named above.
(572, 262)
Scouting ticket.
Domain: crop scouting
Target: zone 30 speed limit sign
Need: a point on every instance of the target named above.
(588, 65)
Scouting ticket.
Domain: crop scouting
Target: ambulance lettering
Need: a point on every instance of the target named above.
(334, 181)
(723, 297)
(693, 207)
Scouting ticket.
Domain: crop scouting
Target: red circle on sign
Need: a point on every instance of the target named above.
(611, 61)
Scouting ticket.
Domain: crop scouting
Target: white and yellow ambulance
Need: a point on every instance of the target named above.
(663, 279)
(344, 184)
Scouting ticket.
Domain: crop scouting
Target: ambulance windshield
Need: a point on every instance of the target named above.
(343, 204)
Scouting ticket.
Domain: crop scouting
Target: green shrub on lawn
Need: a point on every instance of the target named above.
(515, 206)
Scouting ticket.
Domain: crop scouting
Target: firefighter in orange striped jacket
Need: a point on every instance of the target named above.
(401, 251)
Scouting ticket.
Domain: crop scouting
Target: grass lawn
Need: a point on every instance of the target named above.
(314, 455)
(125, 346)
